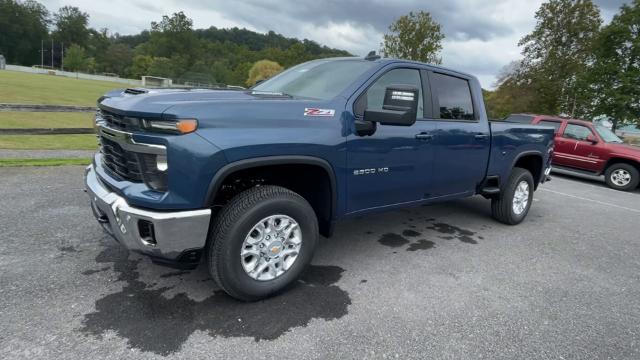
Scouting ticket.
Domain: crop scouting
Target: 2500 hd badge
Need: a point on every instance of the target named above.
(370, 171)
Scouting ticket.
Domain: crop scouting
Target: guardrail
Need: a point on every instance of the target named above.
(75, 75)
(46, 108)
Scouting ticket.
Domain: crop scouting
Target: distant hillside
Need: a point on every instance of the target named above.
(170, 48)
(224, 55)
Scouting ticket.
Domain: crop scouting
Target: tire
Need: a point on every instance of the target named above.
(629, 180)
(502, 208)
(238, 220)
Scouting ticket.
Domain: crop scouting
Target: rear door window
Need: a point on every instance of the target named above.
(453, 97)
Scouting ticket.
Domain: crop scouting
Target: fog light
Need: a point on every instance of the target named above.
(161, 163)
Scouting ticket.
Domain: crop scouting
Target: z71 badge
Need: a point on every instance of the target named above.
(319, 112)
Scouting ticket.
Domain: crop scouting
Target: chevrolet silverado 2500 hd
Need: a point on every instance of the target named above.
(247, 180)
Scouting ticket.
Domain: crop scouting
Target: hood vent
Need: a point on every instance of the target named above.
(136, 91)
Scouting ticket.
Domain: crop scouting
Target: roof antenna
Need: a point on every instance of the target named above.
(371, 56)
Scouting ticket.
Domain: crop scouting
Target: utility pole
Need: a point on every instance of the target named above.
(41, 54)
(52, 53)
(62, 57)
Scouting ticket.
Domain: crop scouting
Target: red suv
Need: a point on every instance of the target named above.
(585, 147)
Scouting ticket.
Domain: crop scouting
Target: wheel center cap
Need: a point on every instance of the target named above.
(275, 248)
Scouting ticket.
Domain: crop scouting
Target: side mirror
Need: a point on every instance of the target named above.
(399, 108)
(592, 139)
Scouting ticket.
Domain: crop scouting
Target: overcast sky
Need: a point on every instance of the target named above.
(481, 35)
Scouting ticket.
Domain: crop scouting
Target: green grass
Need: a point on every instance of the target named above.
(48, 142)
(26, 88)
(43, 162)
(21, 120)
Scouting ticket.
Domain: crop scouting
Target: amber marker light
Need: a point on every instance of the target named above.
(185, 126)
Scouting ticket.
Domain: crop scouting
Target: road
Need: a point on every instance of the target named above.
(441, 281)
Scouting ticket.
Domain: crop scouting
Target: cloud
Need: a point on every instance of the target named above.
(481, 35)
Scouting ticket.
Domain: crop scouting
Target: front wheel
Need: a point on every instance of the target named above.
(515, 201)
(622, 177)
(261, 241)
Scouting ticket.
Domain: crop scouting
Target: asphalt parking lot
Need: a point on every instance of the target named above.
(442, 281)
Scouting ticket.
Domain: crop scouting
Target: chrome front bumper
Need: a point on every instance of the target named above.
(172, 236)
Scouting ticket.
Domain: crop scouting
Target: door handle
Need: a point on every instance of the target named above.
(424, 136)
(481, 136)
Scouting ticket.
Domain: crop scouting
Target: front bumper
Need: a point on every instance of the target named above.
(171, 238)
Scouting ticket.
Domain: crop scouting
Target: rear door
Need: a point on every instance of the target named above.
(394, 165)
(462, 140)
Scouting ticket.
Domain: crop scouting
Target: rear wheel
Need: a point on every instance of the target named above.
(261, 241)
(515, 200)
(622, 176)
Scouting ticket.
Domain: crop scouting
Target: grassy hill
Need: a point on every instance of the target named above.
(25, 88)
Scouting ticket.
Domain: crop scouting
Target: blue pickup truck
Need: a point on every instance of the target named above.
(247, 180)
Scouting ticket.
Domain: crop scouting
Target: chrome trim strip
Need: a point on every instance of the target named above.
(126, 141)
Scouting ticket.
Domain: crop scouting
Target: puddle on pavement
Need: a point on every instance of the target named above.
(421, 244)
(449, 232)
(149, 321)
(393, 240)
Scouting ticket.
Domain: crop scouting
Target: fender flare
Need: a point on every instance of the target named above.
(244, 164)
(528, 153)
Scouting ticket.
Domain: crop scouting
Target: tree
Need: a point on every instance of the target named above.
(117, 59)
(23, 25)
(71, 26)
(614, 79)
(414, 37)
(557, 53)
(262, 70)
(173, 35)
(513, 94)
(141, 65)
(74, 58)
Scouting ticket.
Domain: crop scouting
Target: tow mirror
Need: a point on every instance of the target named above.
(399, 108)
(592, 139)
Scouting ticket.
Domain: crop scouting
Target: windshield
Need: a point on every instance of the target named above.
(321, 79)
(607, 135)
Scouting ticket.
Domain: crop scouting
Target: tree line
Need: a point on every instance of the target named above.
(574, 66)
(571, 64)
(170, 48)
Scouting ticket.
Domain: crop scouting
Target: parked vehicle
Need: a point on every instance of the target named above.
(248, 180)
(592, 149)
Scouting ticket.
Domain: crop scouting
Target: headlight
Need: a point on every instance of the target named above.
(181, 126)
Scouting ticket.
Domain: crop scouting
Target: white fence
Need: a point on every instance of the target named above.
(76, 75)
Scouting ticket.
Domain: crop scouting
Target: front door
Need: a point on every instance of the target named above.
(577, 152)
(393, 165)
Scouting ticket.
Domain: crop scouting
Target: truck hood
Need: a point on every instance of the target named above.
(625, 149)
(153, 102)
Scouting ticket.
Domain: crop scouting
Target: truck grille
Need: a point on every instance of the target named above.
(121, 162)
(119, 122)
